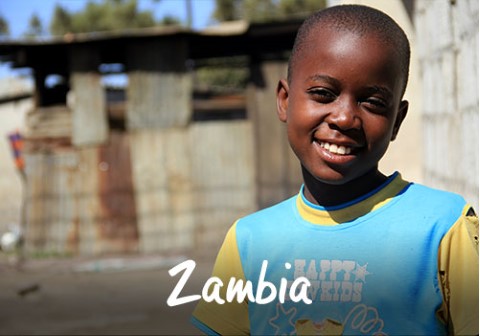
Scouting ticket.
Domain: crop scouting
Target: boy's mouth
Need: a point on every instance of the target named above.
(335, 149)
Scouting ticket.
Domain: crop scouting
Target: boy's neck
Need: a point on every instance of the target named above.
(325, 194)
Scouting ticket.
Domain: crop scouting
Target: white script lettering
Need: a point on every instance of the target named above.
(236, 288)
(188, 266)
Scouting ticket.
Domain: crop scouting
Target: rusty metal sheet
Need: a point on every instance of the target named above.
(117, 230)
(81, 200)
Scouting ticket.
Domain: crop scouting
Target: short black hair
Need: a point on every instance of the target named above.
(360, 20)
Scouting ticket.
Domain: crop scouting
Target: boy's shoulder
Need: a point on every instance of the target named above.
(434, 197)
(428, 204)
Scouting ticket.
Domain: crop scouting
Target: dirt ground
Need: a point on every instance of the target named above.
(109, 296)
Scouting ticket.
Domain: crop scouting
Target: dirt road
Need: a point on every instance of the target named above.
(111, 296)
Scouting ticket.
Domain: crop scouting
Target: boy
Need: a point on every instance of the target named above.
(383, 256)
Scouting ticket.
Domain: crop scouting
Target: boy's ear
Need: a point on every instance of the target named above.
(282, 99)
(402, 113)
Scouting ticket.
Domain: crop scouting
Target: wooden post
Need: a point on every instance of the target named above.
(39, 90)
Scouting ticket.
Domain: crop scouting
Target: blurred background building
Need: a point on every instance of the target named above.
(164, 159)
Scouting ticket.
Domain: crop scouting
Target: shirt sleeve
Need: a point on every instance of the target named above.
(230, 318)
(458, 273)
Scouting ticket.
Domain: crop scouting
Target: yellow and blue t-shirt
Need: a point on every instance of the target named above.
(402, 260)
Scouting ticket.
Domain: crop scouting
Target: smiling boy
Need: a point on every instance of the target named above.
(383, 256)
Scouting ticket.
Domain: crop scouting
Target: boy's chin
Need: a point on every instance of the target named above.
(331, 177)
(340, 177)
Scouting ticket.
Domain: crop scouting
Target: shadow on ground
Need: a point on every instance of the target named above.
(110, 296)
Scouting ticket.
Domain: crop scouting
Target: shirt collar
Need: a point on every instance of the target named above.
(349, 211)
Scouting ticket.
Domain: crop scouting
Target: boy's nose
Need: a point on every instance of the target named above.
(344, 115)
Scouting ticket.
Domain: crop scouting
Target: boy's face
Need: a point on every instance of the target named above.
(343, 104)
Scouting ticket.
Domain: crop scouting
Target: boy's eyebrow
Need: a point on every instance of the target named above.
(318, 77)
(383, 90)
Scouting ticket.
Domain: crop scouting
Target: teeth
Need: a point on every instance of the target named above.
(335, 149)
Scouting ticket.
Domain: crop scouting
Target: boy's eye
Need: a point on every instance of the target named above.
(376, 105)
(322, 95)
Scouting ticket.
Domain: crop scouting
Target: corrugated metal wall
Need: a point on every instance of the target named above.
(161, 175)
(223, 176)
(81, 200)
(178, 191)
(53, 211)
(191, 183)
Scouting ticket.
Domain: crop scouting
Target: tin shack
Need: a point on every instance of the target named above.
(152, 166)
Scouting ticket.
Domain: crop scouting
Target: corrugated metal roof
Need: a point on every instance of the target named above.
(227, 39)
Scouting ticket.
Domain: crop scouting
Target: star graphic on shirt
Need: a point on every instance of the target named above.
(360, 272)
(282, 315)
